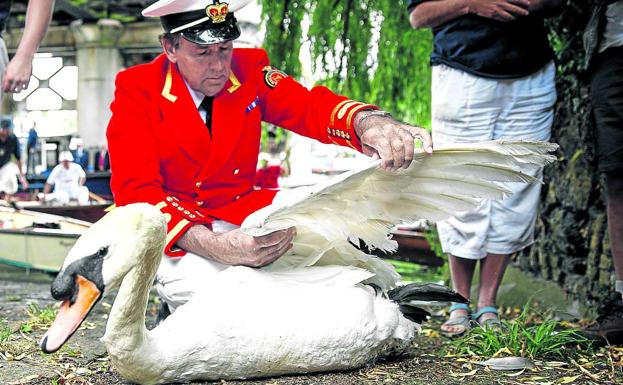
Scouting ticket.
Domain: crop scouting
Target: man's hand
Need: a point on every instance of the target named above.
(17, 75)
(390, 140)
(235, 247)
(501, 10)
(24, 182)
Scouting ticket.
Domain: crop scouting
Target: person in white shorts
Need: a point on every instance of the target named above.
(492, 78)
(9, 171)
(68, 179)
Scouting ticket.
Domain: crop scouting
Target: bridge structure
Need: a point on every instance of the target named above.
(88, 43)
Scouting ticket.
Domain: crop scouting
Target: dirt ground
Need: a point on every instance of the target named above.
(84, 360)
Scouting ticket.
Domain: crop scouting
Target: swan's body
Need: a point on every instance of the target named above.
(255, 322)
(246, 332)
(244, 322)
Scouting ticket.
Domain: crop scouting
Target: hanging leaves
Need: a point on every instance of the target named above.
(365, 49)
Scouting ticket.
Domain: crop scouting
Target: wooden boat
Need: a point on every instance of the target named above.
(91, 212)
(34, 240)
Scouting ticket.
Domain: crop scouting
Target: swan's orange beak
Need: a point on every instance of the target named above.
(70, 316)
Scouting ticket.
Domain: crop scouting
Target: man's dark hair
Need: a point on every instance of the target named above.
(172, 38)
(6, 123)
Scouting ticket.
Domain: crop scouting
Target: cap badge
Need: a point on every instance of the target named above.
(217, 11)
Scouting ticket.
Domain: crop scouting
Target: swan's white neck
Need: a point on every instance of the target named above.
(126, 321)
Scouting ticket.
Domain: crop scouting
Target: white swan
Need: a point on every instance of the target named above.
(286, 318)
(247, 323)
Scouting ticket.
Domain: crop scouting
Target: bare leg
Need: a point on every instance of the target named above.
(614, 186)
(492, 269)
(461, 272)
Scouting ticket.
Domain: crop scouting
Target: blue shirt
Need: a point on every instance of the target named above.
(491, 48)
(32, 138)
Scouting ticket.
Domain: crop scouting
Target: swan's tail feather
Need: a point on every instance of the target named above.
(414, 313)
(424, 292)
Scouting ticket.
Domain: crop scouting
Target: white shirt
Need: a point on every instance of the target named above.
(197, 98)
(66, 179)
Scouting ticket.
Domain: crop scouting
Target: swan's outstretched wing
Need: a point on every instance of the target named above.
(364, 204)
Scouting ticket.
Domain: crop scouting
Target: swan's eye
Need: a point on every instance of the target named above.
(103, 251)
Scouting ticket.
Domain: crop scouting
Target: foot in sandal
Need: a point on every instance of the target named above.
(459, 321)
(487, 317)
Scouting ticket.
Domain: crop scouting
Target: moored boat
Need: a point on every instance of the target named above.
(34, 240)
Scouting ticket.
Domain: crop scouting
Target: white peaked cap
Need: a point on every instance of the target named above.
(168, 7)
(65, 155)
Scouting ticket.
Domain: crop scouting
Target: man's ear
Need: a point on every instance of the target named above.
(169, 49)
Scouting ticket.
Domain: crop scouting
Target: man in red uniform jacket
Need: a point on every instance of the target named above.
(185, 132)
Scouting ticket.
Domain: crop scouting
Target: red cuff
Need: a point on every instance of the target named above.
(179, 219)
(341, 128)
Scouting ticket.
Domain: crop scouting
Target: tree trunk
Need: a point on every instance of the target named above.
(572, 246)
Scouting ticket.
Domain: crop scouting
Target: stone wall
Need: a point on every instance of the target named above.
(572, 246)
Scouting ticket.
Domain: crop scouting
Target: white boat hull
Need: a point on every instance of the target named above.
(25, 244)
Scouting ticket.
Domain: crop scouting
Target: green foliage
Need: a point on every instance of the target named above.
(5, 332)
(521, 338)
(432, 237)
(41, 316)
(365, 49)
(411, 272)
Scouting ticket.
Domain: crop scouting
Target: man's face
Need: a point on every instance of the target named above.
(206, 68)
(4, 133)
(65, 163)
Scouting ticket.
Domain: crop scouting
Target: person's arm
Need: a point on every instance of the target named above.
(235, 247)
(17, 75)
(323, 115)
(431, 14)
(20, 174)
(82, 176)
(47, 188)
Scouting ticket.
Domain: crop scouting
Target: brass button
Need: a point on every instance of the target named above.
(169, 199)
(192, 216)
(199, 203)
(180, 208)
(174, 204)
(237, 171)
(186, 212)
(198, 184)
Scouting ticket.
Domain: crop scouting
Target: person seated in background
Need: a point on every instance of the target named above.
(102, 160)
(68, 179)
(80, 155)
(9, 172)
